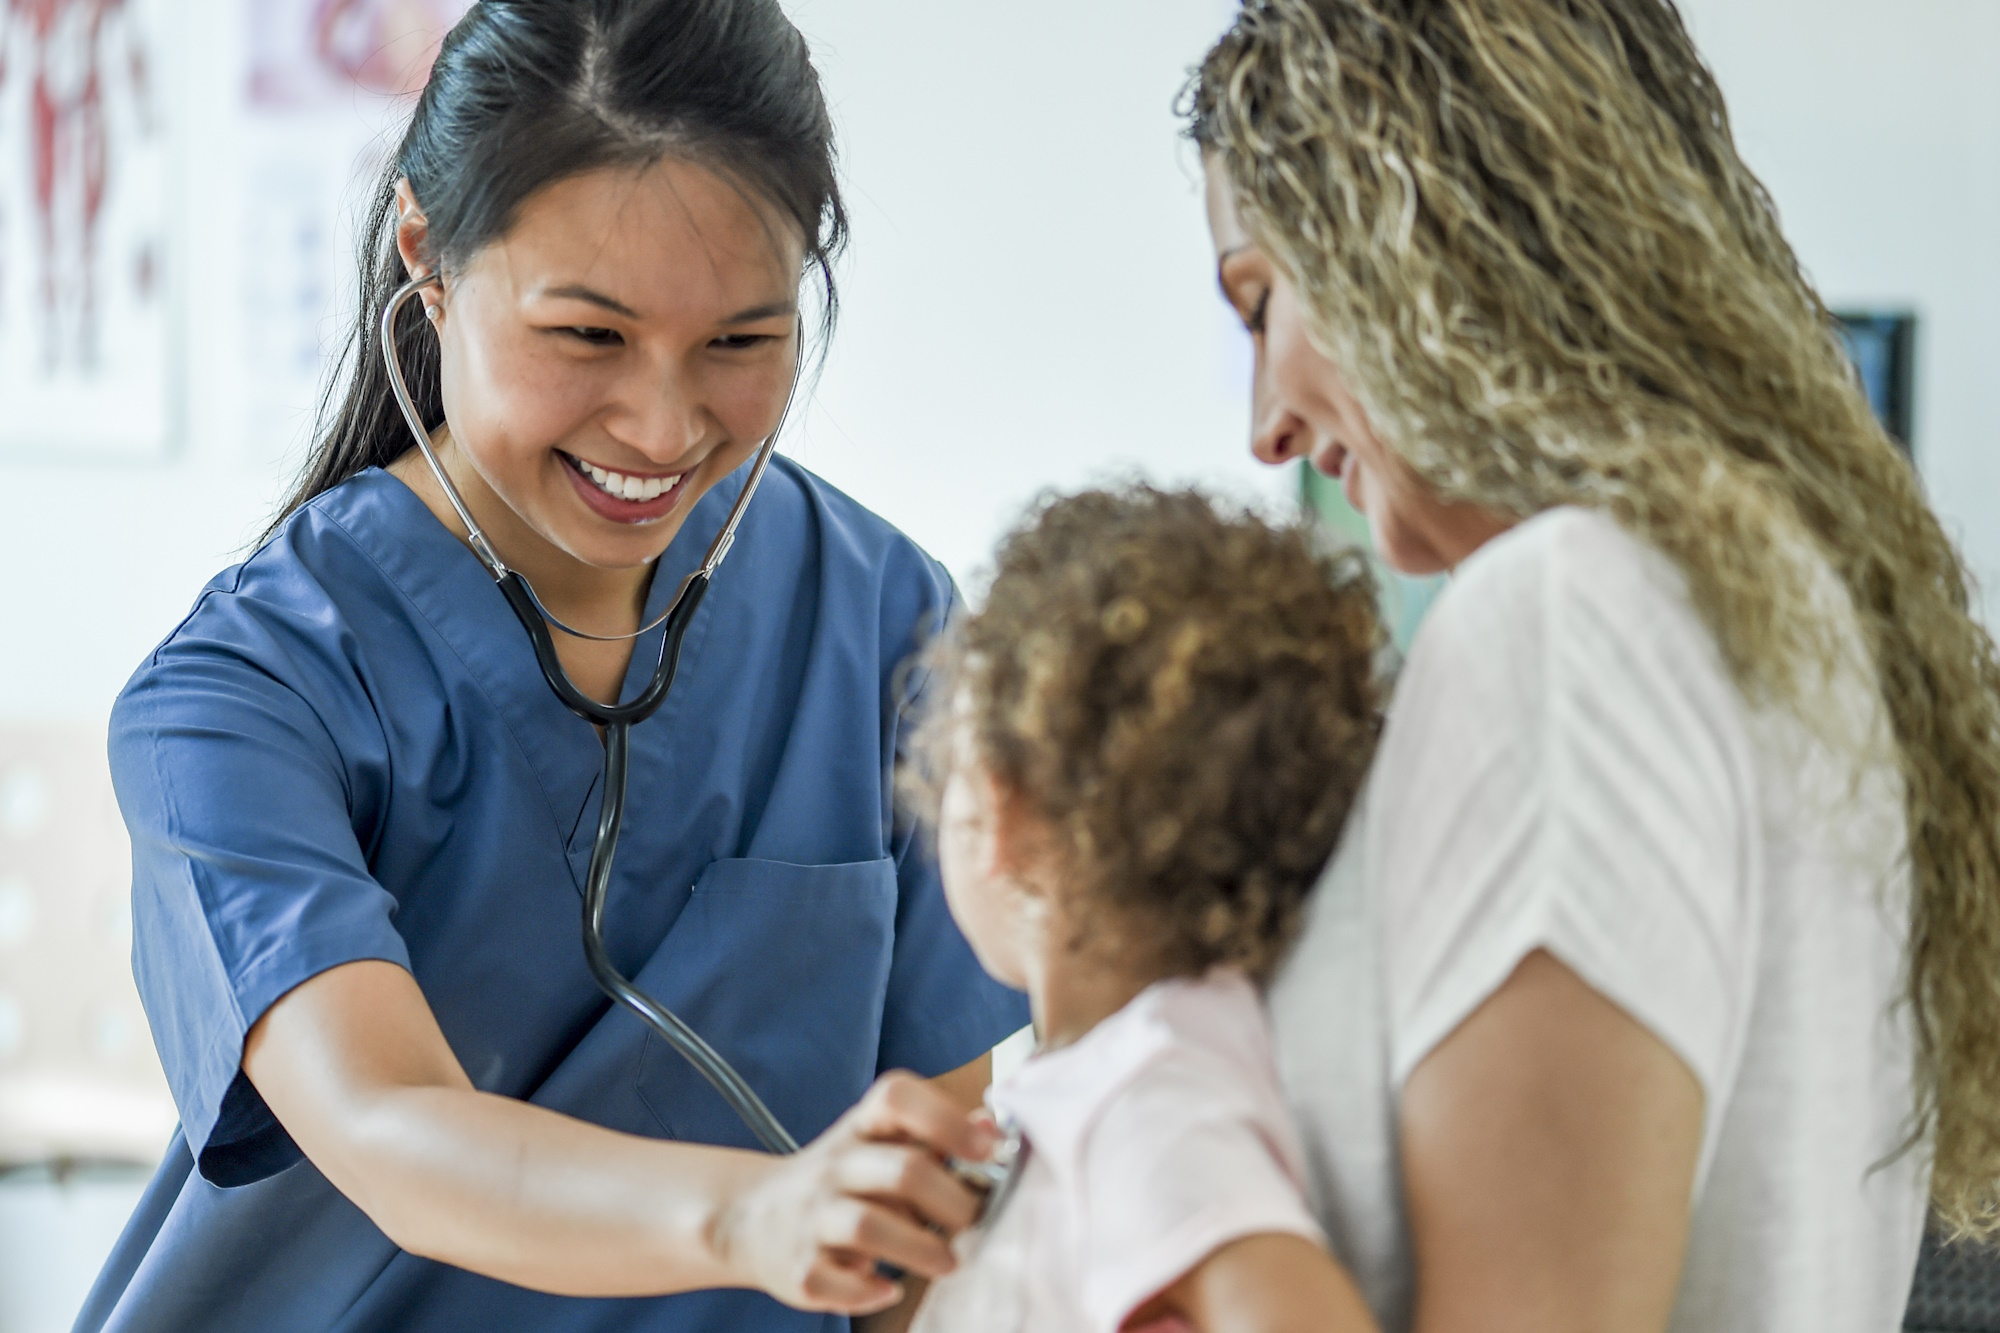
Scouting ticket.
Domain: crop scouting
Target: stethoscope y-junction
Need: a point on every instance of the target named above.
(616, 721)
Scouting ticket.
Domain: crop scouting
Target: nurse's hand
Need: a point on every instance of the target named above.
(871, 1190)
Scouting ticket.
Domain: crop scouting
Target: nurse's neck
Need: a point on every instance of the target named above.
(603, 601)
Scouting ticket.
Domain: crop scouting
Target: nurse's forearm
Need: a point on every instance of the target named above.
(523, 1194)
(355, 1068)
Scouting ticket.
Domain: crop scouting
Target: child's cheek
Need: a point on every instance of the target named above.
(978, 903)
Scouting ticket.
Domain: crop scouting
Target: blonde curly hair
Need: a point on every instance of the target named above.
(1522, 229)
(1183, 697)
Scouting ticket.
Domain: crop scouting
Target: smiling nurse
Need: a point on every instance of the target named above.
(360, 821)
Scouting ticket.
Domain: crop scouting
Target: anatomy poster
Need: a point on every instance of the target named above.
(330, 84)
(84, 314)
(312, 52)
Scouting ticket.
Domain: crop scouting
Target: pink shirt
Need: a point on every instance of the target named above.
(1152, 1142)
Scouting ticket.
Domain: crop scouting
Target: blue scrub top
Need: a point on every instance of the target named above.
(347, 752)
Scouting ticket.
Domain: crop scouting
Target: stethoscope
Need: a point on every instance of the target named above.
(995, 1179)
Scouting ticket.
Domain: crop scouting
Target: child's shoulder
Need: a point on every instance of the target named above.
(1161, 1136)
(1182, 1047)
(1192, 1025)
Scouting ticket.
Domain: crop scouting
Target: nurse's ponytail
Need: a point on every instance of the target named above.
(526, 93)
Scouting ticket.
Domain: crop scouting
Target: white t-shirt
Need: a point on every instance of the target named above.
(1154, 1140)
(1568, 766)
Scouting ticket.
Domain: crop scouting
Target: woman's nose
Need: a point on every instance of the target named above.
(1276, 436)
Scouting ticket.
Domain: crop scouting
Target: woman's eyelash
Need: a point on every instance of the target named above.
(737, 342)
(596, 337)
(1256, 321)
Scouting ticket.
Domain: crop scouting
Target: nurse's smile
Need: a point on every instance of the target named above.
(624, 347)
(627, 495)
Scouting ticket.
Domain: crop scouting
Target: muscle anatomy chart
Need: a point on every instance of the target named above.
(82, 222)
(329, 85)
(319, 51)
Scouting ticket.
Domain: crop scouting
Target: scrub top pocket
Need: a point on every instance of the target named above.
(784, 969)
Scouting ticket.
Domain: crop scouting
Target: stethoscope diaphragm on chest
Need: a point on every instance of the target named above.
(993, 1180)
(997, 1179)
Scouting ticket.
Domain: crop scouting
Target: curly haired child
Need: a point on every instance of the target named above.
(1139, 755)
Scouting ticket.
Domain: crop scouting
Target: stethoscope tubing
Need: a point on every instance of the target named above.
(617, 721)
(995, 1180)
(721, 1075)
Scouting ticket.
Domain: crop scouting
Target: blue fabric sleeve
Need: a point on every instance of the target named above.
(247, 874)
(942, 1009)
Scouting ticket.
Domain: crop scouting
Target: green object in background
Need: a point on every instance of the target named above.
(1404, 599)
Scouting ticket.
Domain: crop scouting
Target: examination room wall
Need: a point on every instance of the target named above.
(1029, 302)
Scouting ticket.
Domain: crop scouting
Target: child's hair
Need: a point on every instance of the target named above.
(1184, 697)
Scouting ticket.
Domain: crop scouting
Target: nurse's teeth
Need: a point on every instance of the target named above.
(639, 489)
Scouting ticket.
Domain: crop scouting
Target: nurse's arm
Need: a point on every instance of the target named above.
(1549, 1147)
(354, 1066)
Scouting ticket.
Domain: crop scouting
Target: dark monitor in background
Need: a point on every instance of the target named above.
(1883, 347)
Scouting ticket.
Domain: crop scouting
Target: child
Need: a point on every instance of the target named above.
(1140, 755)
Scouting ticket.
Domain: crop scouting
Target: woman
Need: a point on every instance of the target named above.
(1655, 984)
(360, 818)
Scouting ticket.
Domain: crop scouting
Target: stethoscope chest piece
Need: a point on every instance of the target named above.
(997, 1179)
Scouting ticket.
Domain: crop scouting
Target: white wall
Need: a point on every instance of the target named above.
(1029, 302)
(106, 556)
(1028, 297)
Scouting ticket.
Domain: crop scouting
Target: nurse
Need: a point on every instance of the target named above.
(360, 818)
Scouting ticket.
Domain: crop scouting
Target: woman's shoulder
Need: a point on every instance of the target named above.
(1557, 628)
(1566, 548)
(847, 529)
(1568, 577)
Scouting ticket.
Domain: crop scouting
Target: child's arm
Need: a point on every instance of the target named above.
(1270, 1283)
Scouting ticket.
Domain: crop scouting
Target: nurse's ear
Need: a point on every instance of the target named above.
(413, 232)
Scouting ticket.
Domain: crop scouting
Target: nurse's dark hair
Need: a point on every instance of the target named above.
(527, 93)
